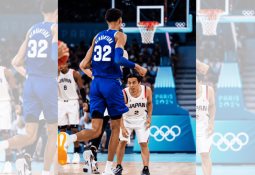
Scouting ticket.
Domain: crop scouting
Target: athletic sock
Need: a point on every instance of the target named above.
(4, 144)
(108, 166)
(73, 137)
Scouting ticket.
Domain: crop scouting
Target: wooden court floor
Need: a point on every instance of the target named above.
(134, 168)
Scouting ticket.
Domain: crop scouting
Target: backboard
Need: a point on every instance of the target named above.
(173, 16)
(237, 11)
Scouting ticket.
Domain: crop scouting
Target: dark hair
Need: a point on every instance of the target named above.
(135, 75)
(113, 15)
(48, 6)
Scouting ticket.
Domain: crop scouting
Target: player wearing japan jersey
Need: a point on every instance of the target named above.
(138, 99)
(205, 112)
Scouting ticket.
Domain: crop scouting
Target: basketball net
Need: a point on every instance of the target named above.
(147, 30)
(209, 19)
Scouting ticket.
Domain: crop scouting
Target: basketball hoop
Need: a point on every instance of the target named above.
(209, 19)
(147, 30)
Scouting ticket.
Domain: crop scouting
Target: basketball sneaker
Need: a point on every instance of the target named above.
(145, 171)
(23, 165)
(76, 158)
(118, 170)
(87, 155)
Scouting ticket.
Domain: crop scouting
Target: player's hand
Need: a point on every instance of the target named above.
(124, 132)
(141, 70)
(148, 123)
(85, 107)
(63, 50)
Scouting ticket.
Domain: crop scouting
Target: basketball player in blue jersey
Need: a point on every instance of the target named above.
(106, 58)
(38, 55)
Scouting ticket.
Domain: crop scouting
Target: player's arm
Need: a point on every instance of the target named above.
(18, 60)
(119, 59)
(88, 72)
(21, 70)
(212, 109)
(86, 62)
(149, 106)
(79, 81)
(54, 44)
(13, 85)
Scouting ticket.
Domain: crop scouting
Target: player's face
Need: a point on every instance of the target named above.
(133, 84)
(63, 67)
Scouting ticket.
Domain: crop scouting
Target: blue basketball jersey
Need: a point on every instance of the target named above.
(38, 59)
(103, 64)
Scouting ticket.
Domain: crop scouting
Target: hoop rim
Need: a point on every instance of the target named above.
(210, 12)
(149, 25)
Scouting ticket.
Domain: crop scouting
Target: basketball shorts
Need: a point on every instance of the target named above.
(40, 95)
(107, 93)
(139, 126)
(68, 112)
(203, 144)
(5, 115)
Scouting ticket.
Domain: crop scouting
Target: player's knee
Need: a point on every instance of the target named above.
(96, 131)
(205, 156)
(123, 143)
(144, 145)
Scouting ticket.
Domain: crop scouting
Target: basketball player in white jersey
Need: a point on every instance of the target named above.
(138, 99)
(7, 87)
(69, 82)
(205, 113)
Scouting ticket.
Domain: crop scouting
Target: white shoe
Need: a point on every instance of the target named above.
(7, 168)
(76, 158)
(23, 165)
(87, 155)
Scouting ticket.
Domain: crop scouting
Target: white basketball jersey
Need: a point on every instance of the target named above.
(137, 106)
(4, 86)
(202, 112)
(67, 86)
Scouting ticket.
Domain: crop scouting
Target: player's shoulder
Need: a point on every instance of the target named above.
(119, 34)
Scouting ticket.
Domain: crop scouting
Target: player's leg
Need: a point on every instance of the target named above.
(206, 163)
(17, 142)
(89, 134)
(116, 107)
(96, 142)
(121, 151)
(143, 136)
(113, 143)
(50, 111)
(73, 116)
(5, 132)
(50, 149)
(76, 156)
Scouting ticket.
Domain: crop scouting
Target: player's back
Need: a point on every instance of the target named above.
(103, 64)
(39, 50)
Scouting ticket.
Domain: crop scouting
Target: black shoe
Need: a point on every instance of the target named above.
(118, 170)
(145, 171)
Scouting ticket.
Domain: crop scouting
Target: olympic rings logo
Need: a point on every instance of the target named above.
(180, 24)
(230, 141)
(165, 133)
(248, 12)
